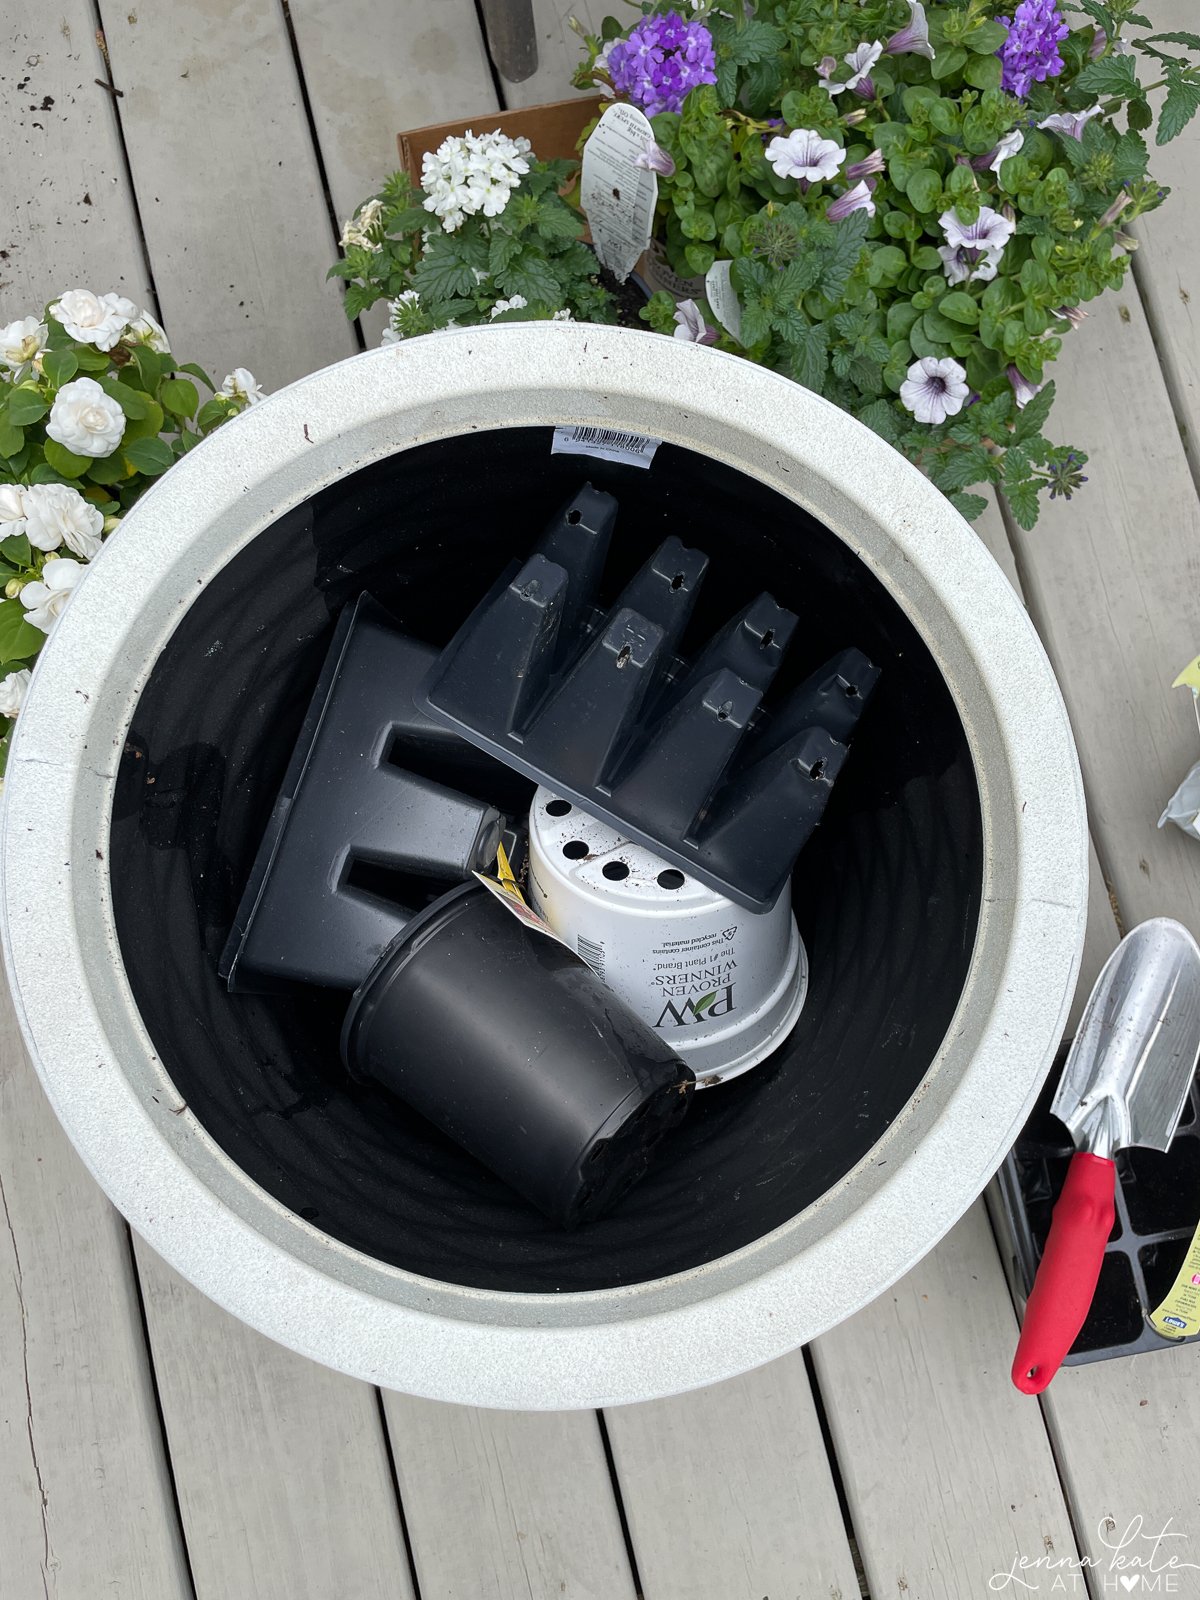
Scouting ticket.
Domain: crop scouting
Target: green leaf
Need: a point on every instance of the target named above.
(987, 38)
(1180, 106)
(108, 470)
(959, 307)
(60, 366)
(25, 405)
(1108, 77)
(557, 221)
(1140, 115)
(150, 456)
(150, 365)
(1035, 415)
(211, 412)
(924, 189)
(179, 396)
(197, 372)
(18, 639)
(530, 275)
(969, 506)
(441, 273)
(65, 462)
(841, 258)
(1192, 40)
(808, 357)
(16, 549)
(984, 72)
(1023, 502)
(135, 403)
(948, 62)
(12, 440)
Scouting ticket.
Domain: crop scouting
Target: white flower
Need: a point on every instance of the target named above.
(45, 598)
(934, 390)
(241, 384)
(974, 250)
(1010, 145)
(21, 341)
(563, 316)
(94, 319)
(12, 509)
(145, 330)
(1023, 390)
(358, 230)
(13, 690)
(860, 61)
(393, 334)
(690, 324)
(1070, 123)
(517, 303)
(913, 40)
(56, 514)
(470, 173)
(805, 155)
(857, 199)
(85, 419)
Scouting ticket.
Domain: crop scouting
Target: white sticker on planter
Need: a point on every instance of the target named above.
(722, 299)
(606, 444)
(618, 196)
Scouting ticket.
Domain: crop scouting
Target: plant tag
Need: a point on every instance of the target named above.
(1178, 1317)
(606, 444)
(507, 890)
(660, 274)
(722, 299)
(618, 197)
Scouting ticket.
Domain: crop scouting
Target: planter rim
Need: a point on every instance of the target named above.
(327, 1300)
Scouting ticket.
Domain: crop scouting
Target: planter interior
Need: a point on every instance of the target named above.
(887, 893)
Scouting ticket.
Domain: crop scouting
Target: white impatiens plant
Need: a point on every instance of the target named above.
(93, 407)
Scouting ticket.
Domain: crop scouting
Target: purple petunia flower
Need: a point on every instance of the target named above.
(661, 61)
(1031, 50)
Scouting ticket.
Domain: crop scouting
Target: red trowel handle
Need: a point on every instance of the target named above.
(1070, 1265)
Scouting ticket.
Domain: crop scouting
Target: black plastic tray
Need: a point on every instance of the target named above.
(1157, 1203)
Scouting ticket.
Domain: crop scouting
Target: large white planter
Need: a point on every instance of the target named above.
(492, 1347)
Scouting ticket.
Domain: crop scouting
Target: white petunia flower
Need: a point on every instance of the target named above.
(13, 690)
(1010, 145)
(472, 173)
(934, 390)
(913, 40)
(517, 303)
(857, 199)
(241, 384)
(690, 324)
(45, 598)
(86, 420)
(1023, 390)
(56, 514)
(145, 330)
(358, 230)
(861, 60)
(12, 509)
(974, 250)
(805, 155)
(22, 340)
(1070, 123)
(94, 319)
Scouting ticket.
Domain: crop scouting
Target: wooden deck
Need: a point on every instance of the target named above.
(150, 1446)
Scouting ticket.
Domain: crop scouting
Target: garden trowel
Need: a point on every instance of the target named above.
(1125, 1083)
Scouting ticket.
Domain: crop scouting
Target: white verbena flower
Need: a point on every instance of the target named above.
(1010, 145)
(94, 319)
(358, 230)
(241, 384)
(1070, 123)
(690, 324)
(45, 598)
(20, 341)
(517, 303)
(563, 316)
(805, 155)
(861, 60)
(145, 330)
(934, 389)
(13, 690)
(393, 334)
(86, 420)
(56, 514)
(973, 250)
(472, 173)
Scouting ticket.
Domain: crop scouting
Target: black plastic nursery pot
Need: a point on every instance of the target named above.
(940, 899)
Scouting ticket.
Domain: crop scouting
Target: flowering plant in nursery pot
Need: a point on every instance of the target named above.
(904, 207)
(93, 408)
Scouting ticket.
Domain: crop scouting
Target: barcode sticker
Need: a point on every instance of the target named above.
(593, 953)
(606, 444)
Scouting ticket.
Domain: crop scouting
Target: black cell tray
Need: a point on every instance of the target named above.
(1157, 1204)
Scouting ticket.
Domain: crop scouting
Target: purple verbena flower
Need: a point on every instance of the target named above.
(661, 61)
(1030, 53)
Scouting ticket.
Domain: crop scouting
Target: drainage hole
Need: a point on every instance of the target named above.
(677, 581)
(615, 871)
(851, 691)
(723, 713)
(575, 849)
(624, 654)
(818, 771)
(670, 879)
(768, 639)
(557, 808)
(574, 516)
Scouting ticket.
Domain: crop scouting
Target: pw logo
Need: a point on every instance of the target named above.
(717, 1004)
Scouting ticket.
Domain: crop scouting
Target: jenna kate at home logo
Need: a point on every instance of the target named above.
(1136, 1560)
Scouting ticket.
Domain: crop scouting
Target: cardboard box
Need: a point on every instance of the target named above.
(553, 130)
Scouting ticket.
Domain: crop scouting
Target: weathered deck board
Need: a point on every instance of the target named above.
(728, 1491)
(507, 1505)
(227, 185)
(281, 1467)
(948, 1470)
(86, 1505)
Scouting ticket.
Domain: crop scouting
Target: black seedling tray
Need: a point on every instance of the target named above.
(1157, 1204)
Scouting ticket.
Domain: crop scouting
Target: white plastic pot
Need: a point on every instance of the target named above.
(636, 1336)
